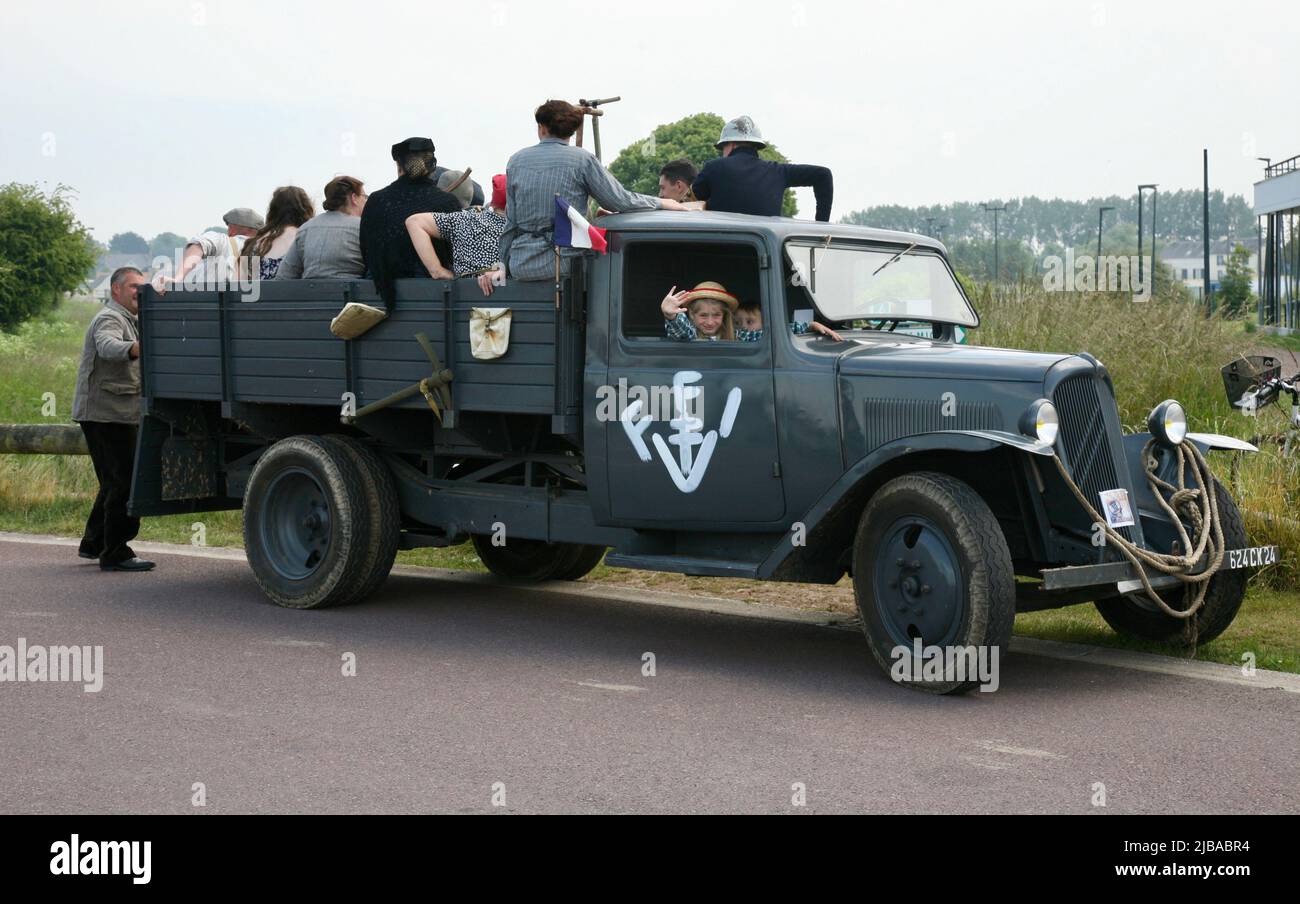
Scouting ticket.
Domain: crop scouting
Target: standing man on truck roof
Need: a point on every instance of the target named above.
(740, 182)
(535, 176)
(107, 406)
(675, 178)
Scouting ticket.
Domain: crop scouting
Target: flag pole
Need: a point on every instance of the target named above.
(557, 277)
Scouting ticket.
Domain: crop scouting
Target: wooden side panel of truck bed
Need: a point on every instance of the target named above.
(279, 350)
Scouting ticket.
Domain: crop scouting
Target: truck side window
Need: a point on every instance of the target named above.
(652, 268)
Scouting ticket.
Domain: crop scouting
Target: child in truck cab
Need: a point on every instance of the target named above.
(710, 312)
(749, 325)
(704, 312)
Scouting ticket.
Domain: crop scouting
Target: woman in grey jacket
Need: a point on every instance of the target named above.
(328, 246)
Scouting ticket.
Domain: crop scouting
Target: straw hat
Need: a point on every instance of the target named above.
(714, 292)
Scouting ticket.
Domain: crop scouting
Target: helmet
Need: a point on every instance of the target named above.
(741, 128)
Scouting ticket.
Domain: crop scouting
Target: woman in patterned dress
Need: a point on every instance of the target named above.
(474, 235)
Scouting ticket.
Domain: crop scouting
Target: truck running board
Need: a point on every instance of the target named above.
(712, 568)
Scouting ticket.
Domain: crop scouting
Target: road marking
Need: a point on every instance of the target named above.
(1263, 679)
(995, 765)
(623, 688)
(1003, 747)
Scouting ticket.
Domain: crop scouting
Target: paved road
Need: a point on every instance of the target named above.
(460, 686)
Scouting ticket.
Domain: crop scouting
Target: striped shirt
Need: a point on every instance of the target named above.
(534, 176)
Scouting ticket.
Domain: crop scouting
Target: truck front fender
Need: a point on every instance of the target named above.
(843, 495)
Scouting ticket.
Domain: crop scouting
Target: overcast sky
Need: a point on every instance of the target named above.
(162, 115)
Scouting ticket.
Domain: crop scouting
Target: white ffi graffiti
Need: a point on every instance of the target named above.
(688, 471)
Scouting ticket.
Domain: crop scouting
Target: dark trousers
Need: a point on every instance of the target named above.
(109, 528)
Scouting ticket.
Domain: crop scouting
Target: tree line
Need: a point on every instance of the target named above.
(1043, 224)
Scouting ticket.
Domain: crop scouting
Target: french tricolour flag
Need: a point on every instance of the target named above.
(573, 231)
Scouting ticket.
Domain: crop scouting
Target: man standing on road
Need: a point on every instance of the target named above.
(740, 182)
(107, 406)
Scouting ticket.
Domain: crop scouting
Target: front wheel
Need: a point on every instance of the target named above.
(1222, 599)
(931, 565)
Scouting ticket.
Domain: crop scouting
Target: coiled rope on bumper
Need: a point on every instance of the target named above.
(1199, 505)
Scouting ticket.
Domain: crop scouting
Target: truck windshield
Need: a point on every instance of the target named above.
(850, 282)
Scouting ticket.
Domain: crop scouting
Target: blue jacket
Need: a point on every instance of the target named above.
(742, 182)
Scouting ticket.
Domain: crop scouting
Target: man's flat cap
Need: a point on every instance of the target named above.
(412, 146)
(244, 216)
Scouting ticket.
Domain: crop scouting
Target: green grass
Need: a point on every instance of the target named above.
(1154, 350)
(1266, 627)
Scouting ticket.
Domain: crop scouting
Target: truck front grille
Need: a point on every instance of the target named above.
(1086, 439)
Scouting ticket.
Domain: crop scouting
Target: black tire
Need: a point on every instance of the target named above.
(531, 560)
(383, 507)
(585, 559)
(306, 524)
(1222, 600)
(955, 586)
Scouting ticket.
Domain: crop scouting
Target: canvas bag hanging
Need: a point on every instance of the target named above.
(355, 319)
(489, 332)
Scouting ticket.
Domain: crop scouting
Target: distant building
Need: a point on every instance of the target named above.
(1187, 260)
(1277, 204)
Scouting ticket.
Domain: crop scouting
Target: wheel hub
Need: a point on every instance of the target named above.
(918, 586)
(295, 524)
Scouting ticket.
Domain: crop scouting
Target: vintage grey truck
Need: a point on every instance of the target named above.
(956, 484)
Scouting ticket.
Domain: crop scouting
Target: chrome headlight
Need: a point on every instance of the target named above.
(1041, 422)
(1168, 422)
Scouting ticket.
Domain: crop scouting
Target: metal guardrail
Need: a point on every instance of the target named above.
(42, 439)
(1282, 166)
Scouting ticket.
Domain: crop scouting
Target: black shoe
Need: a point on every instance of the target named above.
(87, 555)
(131, 564)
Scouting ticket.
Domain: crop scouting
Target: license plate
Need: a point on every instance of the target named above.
(1250, 558)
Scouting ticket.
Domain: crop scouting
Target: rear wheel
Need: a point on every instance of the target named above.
(537, 560)
(587, 558)
(930, 564)
(382, 507)
(307, 532)
(1222, 599)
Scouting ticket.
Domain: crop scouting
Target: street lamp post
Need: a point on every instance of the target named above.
(1141, 188)
(1101, 212)
(995, 210)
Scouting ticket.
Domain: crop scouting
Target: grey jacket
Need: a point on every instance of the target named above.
(328, 246)
(108, 379)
